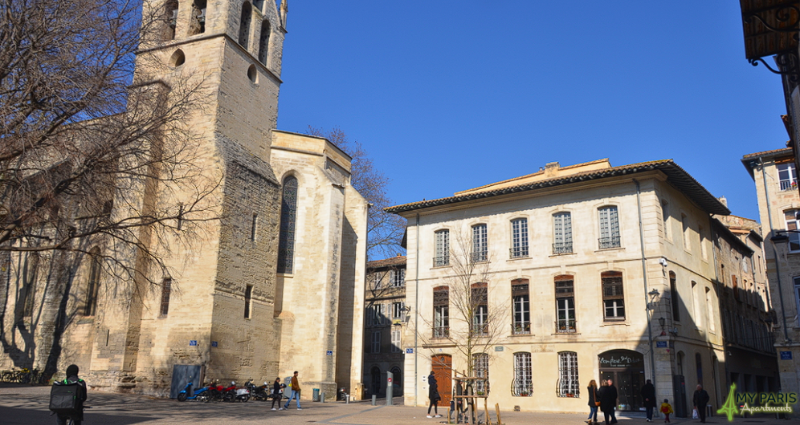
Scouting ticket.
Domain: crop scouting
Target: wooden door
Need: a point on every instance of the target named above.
(442, 370)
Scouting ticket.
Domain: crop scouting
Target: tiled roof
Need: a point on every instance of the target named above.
(676, 175)
(399, 260)
(773, 152)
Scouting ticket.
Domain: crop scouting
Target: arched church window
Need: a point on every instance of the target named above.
(198, 24)
(244, 24)
(263, 45)
(93, 284)
(288, 217)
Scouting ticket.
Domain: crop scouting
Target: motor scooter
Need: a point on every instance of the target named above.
(257, 393)
(187, 394)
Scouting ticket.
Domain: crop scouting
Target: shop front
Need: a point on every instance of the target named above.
(626, 369)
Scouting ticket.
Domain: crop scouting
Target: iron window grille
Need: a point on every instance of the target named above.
(568, 384)
(480, 367)
(609, 227)
(522, 384)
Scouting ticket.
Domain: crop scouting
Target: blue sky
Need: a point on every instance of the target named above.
(449, 95)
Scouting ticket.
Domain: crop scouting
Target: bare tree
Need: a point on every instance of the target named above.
(92, 154)
(384, 230)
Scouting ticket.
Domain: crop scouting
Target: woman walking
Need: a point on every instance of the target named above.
(433, 395)
(594, 401)
(276, 392)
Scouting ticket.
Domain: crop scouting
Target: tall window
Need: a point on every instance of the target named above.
(480, 368)
(244, 24)
(254, 228)
(480, 308)
(442, 257)
(30, 273)
(792, 224)
(562, 233)
(480, 245)
(735, 284)
(398, 308)
(396, 341)
(263, 44)
(609, 227)
(376, 342)
(171, 14)
(398, 277)
(787, 176)
(675, 298)
(441, 312)
(519, 238)
(522, 386)
(248, 298)
(613, 299)
(166, 289)
(377, 277)
(288, 218)
(696, 303)
(698, 360)
(703, 249)
(712, 325)
(665, 217)
(198, 23)
(685, 225)
(568, 384)
(565, 304)
(93, 285)
(520, 297)
(378, 316)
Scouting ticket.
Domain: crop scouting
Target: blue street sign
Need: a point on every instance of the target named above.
(329, 353)
(193, 343)
(786, 355)
(213, 343)
(409, 351)
(498, 348)
(661, 344)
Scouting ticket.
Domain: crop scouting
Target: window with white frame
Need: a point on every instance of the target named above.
(480, 367)
(398, 277)
(613, 296)
(398, 309)
(609, 227)
(480, 308)
(441, 312)
(522, 386)
(565, 304)
(480, 244)
(376, 342)
(377, 277)
(712, 326)
(521, 315)
(792, 226)
(378, 315)
(568, 384)
(396, 340)
(562, 233)
(787, 175)
(519, 238)
(442, 257)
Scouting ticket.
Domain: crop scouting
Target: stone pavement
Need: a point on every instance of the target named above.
(28, 405)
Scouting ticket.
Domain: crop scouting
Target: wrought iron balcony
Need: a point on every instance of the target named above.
(479, 329)
(562, 248)
(565, 325)
(441, 331)
(521, 387)
(788, 185)
(612, 242)
(518, 252)
(480, 256)
(521, 328)
(441, 261)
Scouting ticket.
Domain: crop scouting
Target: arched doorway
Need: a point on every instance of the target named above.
(626, 369)
(397, 381)
(375, 378)
(442, 369)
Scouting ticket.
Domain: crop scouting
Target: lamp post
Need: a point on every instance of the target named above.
(662, 322)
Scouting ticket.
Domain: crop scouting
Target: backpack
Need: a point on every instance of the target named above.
(64, 398)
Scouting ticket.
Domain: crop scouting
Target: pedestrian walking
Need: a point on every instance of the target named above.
(433, 396)
(700, 400)
(608, 402)
(72, 378)
(594, 402)
(276, 392)
(295, 393)
(649, 398)
(666, 409)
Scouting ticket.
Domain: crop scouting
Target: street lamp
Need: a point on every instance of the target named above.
(662, 323)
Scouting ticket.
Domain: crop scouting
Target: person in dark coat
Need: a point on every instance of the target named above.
(72, 377)
(700, 400)
(608, 402)
(276, 392)
(433, 395)
(649, 399)
(593, 397)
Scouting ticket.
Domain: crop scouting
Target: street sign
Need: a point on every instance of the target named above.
(193, 343)
(409, 351)
(329, 353)
(213, 343)
(661, 344)
(498, 348)
(786, 355)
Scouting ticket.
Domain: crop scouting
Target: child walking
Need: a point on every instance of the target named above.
(666, 409)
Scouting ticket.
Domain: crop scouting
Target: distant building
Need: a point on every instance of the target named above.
(775, 176)
(385, 319)
(596, 270)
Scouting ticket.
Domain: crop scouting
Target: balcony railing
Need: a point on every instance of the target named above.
(612, 242)
(480, 329)
(521, 328)
(441, 261)
(479, 256)
(788, 184)
(565, 326)
(562, 248)
(522, 387)
(518, 252)
(441, 331)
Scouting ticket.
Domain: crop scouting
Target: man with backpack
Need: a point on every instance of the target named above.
(67, 397)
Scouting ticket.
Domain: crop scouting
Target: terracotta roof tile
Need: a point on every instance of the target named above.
(399, 260)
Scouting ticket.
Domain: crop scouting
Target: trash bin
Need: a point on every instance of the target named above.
(315, 395)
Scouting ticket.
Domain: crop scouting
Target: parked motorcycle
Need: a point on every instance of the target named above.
(187, 393)
(214, 392)
(258, 393)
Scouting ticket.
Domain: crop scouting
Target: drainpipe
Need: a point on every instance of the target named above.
(644, 281)
(416, 318)
(774, 251)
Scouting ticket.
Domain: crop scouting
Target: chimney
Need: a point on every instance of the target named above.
(551, 169)
(724, 201)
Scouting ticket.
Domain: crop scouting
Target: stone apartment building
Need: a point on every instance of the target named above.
(775, 177)
(744, 304)
(594, 270)
(384, 325)
(275, 285)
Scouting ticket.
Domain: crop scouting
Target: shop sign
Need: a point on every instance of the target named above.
(621, 358)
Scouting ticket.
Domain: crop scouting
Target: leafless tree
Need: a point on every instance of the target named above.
(93, 153)
(384, 230)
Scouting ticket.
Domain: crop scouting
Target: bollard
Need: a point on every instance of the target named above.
(315, 394)
(322, 397)
(389, 389)
(346, 399)
(374, 399)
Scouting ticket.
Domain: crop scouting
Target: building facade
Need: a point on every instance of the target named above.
(775, 177)
(272, 286)
(384, 325)
(586, 272)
